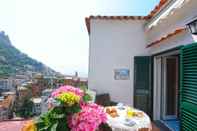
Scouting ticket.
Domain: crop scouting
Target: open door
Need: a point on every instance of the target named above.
(142, 84)
(170, 88)
(188, 91)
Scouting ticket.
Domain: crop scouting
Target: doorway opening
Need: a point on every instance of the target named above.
(166, 88)
(170, 87)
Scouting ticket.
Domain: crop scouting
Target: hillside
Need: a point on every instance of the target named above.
(13, 62)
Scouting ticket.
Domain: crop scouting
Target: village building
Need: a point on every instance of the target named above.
(44, 99)
(6, 84)
(6, 105)
(148, 62)
(36, 106)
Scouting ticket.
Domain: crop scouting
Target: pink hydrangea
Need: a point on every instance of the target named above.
(89, 119)
(67, 88)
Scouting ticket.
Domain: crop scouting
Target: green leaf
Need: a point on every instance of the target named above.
(58, 116)
(54, 127)
(87, 98)
(63, 126)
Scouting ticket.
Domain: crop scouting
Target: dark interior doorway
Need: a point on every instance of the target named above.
(170, 87)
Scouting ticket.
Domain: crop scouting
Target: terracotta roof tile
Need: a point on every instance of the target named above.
(157, 8)
(157, 42)
(7, 102)
(87, 19)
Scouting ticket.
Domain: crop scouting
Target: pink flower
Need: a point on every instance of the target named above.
(67, 88)
(89, 119)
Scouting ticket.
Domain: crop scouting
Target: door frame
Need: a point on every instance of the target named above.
(158, 81)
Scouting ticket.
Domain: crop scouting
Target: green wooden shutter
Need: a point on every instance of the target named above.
(142, 84)
(188, 91)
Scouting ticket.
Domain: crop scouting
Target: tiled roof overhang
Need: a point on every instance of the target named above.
(157, 8)
(168, 36)
(87, 19)
(148, 17)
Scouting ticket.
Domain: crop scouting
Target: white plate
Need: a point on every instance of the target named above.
(129, 122)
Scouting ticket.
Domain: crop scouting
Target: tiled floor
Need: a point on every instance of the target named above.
(172, 124)
(155, 128)
(17, 125)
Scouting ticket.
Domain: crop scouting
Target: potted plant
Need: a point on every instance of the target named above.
(69, 111)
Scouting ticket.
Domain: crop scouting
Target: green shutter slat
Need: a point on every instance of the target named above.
(190, 64)
(189, 61)
(190, 92)
(190, 55)
(190, 47)
(189, 106)
(189, 125)
(189, 74)
(192, 99)
(190, 114)
(188, 87)
(188, 58)
(190, 79)
(188, 117)
(186, 128)
(188, 99)
(188, 121)
(189, 52)
(190, 83)
(190, 67)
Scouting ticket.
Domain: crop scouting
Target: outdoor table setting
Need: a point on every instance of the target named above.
(70, 109)
(125, 118)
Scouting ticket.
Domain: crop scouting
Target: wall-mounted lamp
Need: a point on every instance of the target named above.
(192, 27)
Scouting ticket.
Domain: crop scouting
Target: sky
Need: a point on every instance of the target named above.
(54, 31)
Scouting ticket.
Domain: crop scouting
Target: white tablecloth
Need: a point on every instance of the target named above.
(118, 123)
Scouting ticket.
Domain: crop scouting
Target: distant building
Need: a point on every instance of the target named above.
(23, 92)
(75, 80)
(6, 84)
(9, 83)
(20, 79)
(6, 105)
(37, 106)
(44, 103)
(3, 114)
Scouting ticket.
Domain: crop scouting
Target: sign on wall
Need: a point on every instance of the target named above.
(121, 74)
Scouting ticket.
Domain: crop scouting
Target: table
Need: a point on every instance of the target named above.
(119, 123)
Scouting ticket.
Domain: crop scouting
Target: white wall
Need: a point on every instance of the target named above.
(113, 44)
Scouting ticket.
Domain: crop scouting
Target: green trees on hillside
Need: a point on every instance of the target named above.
(13, 61)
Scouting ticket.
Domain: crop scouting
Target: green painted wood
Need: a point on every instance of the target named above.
(142, 84)
(188, 87)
